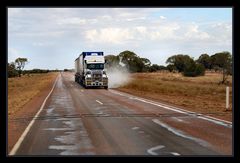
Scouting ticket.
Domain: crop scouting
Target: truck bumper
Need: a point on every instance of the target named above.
(96, 84)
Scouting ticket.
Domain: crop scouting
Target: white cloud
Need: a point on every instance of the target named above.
(42, 44)
(162, 17)
(167, 32)
(193, 32)
(106, 17)
(221, 32)
(71, 21)
(136, 18)
(141, 29)
(108, 35)
(43, 34)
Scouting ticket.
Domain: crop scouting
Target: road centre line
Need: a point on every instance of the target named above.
(99, 102)
(20, 140)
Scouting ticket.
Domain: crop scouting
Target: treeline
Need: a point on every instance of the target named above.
(16, 68)
(36, 71)
(13, 72)
(184, 64)
(132, 62)
(221, 62)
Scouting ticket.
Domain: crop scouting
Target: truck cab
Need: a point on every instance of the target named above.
(90, 72)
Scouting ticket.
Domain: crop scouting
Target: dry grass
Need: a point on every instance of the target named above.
(201, 94)
(23, 89)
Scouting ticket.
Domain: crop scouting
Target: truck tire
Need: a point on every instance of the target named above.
(106, 87)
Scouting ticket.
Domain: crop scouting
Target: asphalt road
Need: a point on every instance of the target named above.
(78, 121)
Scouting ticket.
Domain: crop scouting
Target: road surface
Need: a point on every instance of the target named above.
(78, 121)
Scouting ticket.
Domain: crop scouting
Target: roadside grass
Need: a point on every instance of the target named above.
(23, 89)
(201, 94)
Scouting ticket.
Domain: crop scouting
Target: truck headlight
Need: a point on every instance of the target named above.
(104, 76)
(89, 76)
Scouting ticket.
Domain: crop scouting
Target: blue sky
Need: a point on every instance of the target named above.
(52, 38)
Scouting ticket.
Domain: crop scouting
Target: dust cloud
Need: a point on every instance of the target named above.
(117, 77)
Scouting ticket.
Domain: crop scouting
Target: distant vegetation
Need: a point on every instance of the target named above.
(184, 64)
(16, 68)
(20, 64)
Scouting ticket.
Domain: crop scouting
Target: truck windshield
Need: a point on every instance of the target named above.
(95, 66)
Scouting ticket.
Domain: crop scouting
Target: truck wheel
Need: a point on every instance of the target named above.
(106, 87)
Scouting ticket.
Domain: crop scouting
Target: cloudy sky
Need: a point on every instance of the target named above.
(52, 38)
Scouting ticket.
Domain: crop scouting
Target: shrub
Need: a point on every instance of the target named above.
(192, 69)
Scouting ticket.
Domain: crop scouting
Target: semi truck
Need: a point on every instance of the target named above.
(89, 70)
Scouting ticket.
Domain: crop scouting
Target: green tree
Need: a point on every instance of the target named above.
(146, 64)
(192, 69)
(179, 61)
(171, 67)
(205, 60)
(132, 61)
(112, 61)
(156, 67)
(223, 60)
(20, 63)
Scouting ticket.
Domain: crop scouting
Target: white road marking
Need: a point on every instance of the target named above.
(179, 120)
(175, 153)
(100, 112)
(62, 147)
(201, 116)
(215, 120)
(20, 140)
(180, 133)
(99, 102)
(57, 129)
(151, 150)
(135, 128)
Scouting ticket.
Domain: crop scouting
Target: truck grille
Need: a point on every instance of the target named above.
(97, 77)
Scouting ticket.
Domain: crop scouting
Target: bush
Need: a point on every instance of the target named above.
(171, 68)
(12, 72)
(200, 70)
(192, 69)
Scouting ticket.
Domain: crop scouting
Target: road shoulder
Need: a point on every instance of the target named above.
(18, 121)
